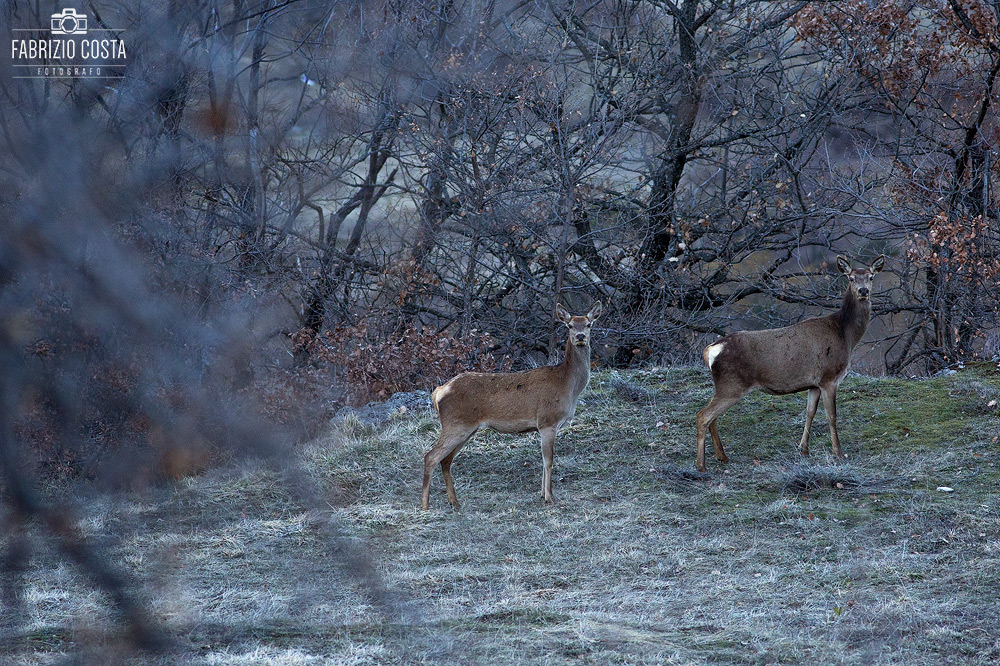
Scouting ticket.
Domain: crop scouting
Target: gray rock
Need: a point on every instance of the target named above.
(375, 414)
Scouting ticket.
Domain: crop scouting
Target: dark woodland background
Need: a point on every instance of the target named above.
(290, 205)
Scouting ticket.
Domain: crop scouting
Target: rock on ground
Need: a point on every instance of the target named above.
(378, 413)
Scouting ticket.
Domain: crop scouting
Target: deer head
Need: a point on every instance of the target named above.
(579, 325)
(861, 278)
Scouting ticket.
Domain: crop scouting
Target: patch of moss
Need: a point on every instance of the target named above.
(907, 415)
(47, 639)
(524, 617)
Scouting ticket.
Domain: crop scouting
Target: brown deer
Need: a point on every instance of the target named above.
(540, 400)
(813, 356)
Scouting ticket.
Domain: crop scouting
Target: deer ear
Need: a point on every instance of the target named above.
(561, 313)
(878, 264)
(844, 265)
(595, 311)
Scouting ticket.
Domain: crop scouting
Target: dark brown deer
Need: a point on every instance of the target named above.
(813, 355)
(542, 400)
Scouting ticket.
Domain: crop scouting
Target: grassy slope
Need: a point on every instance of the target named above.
(641, 562)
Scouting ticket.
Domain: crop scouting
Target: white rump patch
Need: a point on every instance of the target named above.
(712, 352)
(439, 393)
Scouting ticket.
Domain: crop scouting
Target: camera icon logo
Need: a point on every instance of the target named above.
(69, 22)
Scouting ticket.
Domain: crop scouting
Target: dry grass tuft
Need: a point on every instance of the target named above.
(806, 478)
(630, 391)
(686, 476)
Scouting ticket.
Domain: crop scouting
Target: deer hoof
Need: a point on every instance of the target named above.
(722, 458)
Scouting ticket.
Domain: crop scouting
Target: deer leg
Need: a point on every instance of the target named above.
(448, 483)
(830, 407)
(811, 404)
(706, 421)
(447, 446)
(720, 454)
(548, 436)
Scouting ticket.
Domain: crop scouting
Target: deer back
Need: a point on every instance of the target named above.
(784, 360)
(516, 401)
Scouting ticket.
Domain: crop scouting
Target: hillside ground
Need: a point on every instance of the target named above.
(767, 560)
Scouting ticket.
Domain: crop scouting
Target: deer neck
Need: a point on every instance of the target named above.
(576, 366)
(853, 318)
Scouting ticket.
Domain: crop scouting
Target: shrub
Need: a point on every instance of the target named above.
(374, 364)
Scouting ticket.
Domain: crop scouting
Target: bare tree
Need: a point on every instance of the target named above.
(928, 73)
